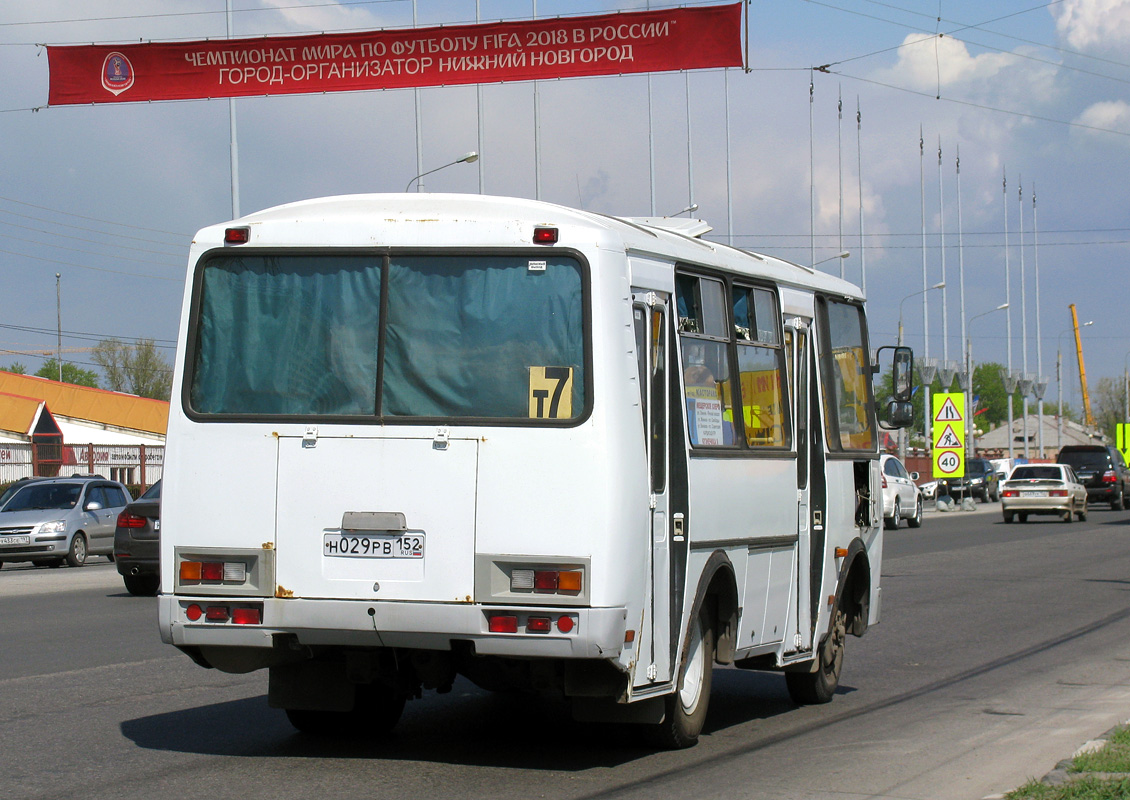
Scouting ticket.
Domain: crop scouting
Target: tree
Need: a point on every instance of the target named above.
(1108, 405)
(71, 373)
(138, 368)
(15, 367)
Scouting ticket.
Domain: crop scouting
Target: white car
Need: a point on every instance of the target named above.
(902, 498)
(1043, 489)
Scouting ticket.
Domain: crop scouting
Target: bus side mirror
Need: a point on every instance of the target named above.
(899, 414)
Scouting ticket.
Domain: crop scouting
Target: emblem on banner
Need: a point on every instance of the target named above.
(117, 74)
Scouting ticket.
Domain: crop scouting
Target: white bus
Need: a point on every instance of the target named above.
(421, 436)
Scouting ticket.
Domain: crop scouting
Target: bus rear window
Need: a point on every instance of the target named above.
(469, 336)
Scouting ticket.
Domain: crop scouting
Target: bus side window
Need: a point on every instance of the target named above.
(703, 342)
(760, 366)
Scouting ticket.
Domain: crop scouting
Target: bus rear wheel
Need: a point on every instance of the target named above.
(685, 709)
(813, 688)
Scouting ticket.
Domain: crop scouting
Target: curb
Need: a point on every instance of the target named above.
(1061, 773)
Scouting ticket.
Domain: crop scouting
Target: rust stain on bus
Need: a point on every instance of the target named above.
(283, 593)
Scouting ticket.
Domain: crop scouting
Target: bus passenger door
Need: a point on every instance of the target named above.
(797, 344)
(649, 313)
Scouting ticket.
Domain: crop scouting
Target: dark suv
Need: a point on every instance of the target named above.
(1102, 470)
(980, 481)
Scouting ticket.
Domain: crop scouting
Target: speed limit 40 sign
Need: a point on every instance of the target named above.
(949, 463)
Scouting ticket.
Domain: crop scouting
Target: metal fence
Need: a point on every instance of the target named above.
(131, 464)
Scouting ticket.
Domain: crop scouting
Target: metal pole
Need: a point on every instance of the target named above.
(233, 147)
(859, 161)
(925, 295)
(1059, 391)
(59, 329)
(840, 167)
(690, 144)
(537, 130)
(1008, 326)
(961, 288)
(419, 123)
(942, 241)
(479, 108)
(1039, 342)
(729, 176)
(811, 176)
(1023, 315)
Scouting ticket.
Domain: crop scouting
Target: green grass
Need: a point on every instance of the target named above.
(1113, 757)
(1086, 788)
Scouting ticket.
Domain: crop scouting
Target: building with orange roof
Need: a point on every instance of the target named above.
(85, 415)
(50, 428)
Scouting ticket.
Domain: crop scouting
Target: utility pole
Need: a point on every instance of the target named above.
(59, 327)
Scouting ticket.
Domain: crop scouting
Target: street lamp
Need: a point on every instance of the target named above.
(940, 285)
(971, 447)
(1059, 382)
(468, 158)
(843, 254)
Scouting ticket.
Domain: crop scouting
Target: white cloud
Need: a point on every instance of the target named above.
(1109, 115)
(1094, 24)
(927, 62)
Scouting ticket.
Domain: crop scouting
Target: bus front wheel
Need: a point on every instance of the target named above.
(812, 688)
(685, 709)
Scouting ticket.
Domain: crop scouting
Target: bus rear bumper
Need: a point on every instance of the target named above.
(587, 633)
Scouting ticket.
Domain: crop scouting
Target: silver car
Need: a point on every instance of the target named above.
(49, 522)
(1043, 489)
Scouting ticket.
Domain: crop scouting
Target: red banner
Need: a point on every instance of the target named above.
(606, 44)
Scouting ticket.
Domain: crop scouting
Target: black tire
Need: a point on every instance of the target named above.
(891, 523)
(1022, 516)
(141, 585)
(1067, 515)
(76, 555)
(685, 709)
(916, 520)
(376, 712)
(110, 557)
(1082, 514)
(813, 688)
(1125, 500)
(1119, 502)
(1007, 517)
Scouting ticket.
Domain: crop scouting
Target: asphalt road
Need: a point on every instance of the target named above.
(1002, 648)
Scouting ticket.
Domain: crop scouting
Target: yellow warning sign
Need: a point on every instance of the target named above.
(948, 409)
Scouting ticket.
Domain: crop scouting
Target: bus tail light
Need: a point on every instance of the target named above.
(213, 572)
(503, 623)
(548, 581)
(545, 235)
(236, 615)
(539, 625)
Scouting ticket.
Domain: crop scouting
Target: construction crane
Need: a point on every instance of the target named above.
(1090, 418)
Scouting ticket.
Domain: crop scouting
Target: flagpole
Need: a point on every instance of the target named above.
(233, 145)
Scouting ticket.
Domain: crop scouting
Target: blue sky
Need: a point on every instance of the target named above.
(110, 196)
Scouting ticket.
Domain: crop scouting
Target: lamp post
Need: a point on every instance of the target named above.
(468, 158)
(971, 448)
(903, 432)
(1126, 384)
(841, 254)
(1059, 383)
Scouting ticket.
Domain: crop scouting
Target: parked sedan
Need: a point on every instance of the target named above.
(49, 522)
(901, 496)
(980, 481)
(137, 543)
(1043, 489)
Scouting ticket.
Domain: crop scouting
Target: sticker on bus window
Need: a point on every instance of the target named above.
(551, 392)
